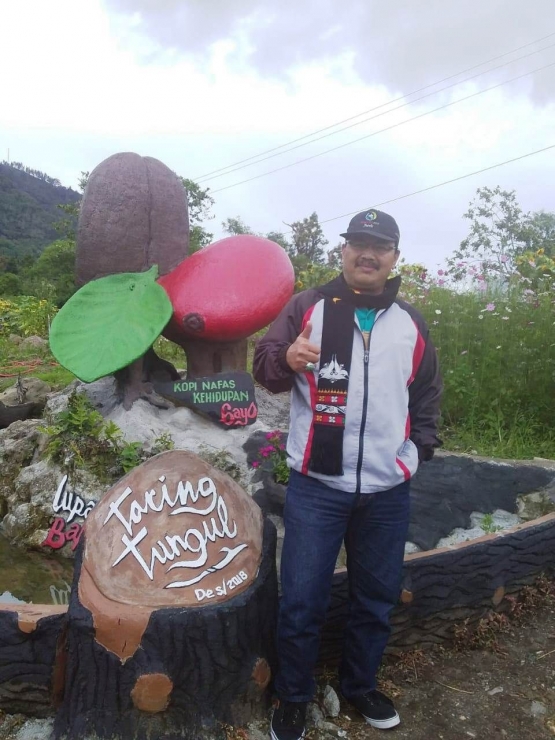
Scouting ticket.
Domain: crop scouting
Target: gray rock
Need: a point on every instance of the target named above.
(497, 690)
(500, 520)
(538, 709)
(411, 548)
(8, 598)
(331, 702)
(18, 443)
(30, 501)
(537, 504)
(314, 715)
(35, 729)
(34, 342)
(34, 391)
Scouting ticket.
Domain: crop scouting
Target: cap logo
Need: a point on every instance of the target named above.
(371, 216)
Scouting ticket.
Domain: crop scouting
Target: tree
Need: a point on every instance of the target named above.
(279, 238)
(500, 235)
(539, 232)
(236, 226)
(53, 274)
(495, 237)
(200, 202)
(335, 257)
(66, 226)
(10, 284)
(308, 240)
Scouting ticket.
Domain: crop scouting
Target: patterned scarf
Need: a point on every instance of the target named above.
(330, 401)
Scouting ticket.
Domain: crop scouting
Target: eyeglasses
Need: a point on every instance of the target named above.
(381, 248)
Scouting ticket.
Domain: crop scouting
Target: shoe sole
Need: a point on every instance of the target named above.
(383, 724)
(275, 737)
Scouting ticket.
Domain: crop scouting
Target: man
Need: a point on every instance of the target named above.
(364, 410)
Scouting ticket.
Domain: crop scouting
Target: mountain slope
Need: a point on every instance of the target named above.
(28, 210)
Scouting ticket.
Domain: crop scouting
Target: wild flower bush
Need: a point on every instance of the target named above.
(496, 344)
(26, 316)
(273, 457)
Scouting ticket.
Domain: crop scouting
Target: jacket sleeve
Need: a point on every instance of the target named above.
(270, 367)
(424, 402)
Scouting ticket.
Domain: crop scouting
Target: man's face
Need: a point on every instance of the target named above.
(367, 263)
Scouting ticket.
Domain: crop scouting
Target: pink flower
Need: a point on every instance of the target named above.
(441, 282)
(490, 307)
(504, 258)
(255, 464)
(441, 272)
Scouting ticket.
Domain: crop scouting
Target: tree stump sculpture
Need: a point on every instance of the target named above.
(172, 616)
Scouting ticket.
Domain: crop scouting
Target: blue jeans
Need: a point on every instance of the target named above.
(317, 520)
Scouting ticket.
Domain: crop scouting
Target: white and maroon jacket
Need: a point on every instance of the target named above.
(393, 399)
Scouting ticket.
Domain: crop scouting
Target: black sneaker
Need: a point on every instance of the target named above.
(288, 721)
(377, 709)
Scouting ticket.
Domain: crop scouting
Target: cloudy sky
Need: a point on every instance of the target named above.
(206, 84)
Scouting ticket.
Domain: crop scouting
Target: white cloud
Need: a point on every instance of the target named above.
(92, 83)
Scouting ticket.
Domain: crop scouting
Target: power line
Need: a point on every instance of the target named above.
(440, 184)
(383, 113)
(387, 128)
(382, 105)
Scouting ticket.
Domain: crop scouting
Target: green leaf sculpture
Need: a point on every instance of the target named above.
(109, 323)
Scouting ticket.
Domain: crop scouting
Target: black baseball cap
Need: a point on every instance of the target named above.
(373, 223)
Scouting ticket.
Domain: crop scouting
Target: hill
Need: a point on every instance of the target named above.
(29, 209)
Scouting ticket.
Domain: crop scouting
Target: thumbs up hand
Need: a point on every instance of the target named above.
(302, 351)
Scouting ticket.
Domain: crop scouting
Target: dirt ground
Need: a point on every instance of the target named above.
(506, 693)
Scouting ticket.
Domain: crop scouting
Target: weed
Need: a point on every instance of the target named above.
(222, 460)
(163, 443)
(79, 438)
(488, 526)
(483, 635)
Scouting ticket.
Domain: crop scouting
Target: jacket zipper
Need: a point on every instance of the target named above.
(363, 420)
(364, 412)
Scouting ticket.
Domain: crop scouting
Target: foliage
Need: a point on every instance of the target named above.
(308, 240)
(497, 356)
(28, 212)
(500, 235)
(26, 316)
(200, 203)
(488, 526)
(10, 284)
(310, 275)
(222, 460)
(273, 457)
(53, 274)
(79, 438)
(236, 226)
(163, 443)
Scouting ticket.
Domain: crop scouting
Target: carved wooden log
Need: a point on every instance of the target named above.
(444, 587)
(31, 658)
(172, 616)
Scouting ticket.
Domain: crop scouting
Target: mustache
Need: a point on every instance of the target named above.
(365, 261)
